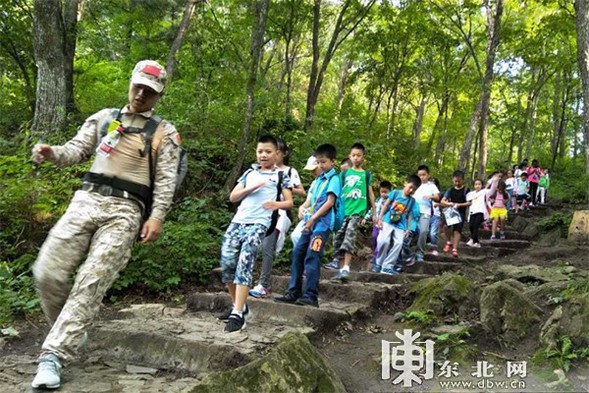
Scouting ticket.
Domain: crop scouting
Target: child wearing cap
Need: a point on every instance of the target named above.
(315, 171)
(384, 190)
(274, 242)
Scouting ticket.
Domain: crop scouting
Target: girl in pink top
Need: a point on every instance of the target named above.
(534, 174)
(499, 210)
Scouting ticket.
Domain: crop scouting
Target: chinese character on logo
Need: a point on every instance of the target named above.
(448, 370)
(483, 370)
(517, 368)
(407, 358)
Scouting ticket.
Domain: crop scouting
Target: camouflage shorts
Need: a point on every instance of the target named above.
(241, 243)
(345, 239)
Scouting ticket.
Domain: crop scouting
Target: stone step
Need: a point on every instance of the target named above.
(447, 257)
(353, 292)
(191, 342)
(326, 317)
(433, 268)
(506, 243)
(369, 277)
(509, 234)
(95, 375)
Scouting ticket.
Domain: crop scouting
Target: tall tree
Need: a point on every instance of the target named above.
(256, 46)
(344, 26)
(480, 117)
(182, 28)
(49, 44)
(582, 22)
(54, 42)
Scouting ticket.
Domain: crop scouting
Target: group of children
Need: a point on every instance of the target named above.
(340, 204)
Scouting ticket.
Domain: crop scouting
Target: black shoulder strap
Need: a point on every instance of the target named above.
(368, 185)
(274, 219)
(279, 185)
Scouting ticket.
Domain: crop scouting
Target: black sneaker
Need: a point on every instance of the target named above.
(305, 301)
(235, 323)
(225, 316)
(288, 297)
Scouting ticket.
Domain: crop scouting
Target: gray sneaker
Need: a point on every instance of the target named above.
(48, 373)
(342, 276)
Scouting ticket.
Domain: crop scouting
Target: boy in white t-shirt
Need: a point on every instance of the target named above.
(257, 191)
(270, 245)
(425, 196)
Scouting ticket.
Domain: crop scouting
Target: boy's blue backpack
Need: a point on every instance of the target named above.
(339, 213)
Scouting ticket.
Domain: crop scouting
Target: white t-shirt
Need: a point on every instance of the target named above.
(293, 174)
(250, 210)
(478, 200)
(510, 184)
(425, 205)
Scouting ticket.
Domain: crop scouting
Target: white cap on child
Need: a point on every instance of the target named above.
(311, 164)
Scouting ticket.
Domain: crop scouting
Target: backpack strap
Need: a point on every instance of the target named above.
(274, 219)
(115, 114)
(368, 178)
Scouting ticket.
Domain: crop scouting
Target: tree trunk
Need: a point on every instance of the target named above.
(341, 91)
(483, 137)
(182, 29)
(341, 31)
(418, 123)
(582, 22)
(256, 46)
(48, 41)
(70, 23)
(481, 111)
(532, 123)
(310, 112)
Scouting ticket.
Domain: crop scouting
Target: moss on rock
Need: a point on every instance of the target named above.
(446, 295)
(570, 319)
(507, 312)
(294, 365)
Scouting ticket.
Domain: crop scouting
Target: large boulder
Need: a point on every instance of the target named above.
(506, 312)
(579, 228)
(535, 273)
(294, 365)
(570, 319)
(447, 295)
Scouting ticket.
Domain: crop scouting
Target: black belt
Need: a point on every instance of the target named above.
(105, 190)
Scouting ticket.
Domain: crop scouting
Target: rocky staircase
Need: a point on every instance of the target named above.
(154, 348)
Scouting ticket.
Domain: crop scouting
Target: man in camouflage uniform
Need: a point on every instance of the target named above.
(104, 217)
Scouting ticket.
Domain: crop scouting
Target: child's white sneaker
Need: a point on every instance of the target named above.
(470, 243)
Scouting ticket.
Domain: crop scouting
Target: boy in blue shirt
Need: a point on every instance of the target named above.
(257, 190)
(319, 222)
(396, 223)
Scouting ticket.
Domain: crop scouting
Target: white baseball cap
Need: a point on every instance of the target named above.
(149, 73)
(311, 164)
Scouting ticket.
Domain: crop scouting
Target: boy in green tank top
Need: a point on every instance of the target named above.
(358, 198)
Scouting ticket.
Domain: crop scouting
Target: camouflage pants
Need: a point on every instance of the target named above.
(102, 229)
(344, 241)
(239, 250)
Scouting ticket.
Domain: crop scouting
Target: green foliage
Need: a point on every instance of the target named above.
(187, 250)
(564, 354)
(454, 346)
(557, 220)
(32, 200)
(17, 294)
(571, 184)
(423, 318)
